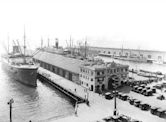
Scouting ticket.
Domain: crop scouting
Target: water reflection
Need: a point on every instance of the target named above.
(37, 104)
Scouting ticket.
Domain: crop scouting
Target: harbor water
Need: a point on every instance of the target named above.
(138, 65)
(41, 104)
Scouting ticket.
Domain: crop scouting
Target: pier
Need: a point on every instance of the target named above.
(74, 91)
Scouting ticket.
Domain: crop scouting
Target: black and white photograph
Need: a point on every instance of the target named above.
(82, 61)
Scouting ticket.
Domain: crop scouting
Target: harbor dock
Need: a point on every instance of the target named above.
(74, 91)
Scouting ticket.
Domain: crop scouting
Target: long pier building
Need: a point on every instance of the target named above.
(150, 55)
(94, 75)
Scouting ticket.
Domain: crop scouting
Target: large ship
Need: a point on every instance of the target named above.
(20, 66)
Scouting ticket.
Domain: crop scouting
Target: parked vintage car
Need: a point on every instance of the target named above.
(144, 106)
(143, 91)
(143, 85)
(154, 109)
(153, 90)
(161, 112)
(140, 89)
(108, 95)
(148, 93)
(124, 97)
(131, 100)
(137, 103)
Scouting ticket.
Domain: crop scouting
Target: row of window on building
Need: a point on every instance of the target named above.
(86, 77)
(127, 54)
(55, 69)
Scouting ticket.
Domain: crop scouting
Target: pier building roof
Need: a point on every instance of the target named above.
(102, 65)
(66, 63)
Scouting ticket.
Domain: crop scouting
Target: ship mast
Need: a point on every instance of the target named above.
(8, 45)
(24, 44)
(85, 47)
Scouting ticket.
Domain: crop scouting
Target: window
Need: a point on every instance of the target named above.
(117, 70)
(149, 56)
(159, 57)
(91, 72)
(102, 72)
(87, 84)
(91, 79)
(110, 71)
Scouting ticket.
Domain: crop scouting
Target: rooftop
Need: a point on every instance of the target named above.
(69, 64)
(101, 65)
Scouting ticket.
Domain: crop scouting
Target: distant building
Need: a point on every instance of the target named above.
(100, 76)
(148, 55)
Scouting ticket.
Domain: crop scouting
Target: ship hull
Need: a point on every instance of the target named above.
(27, 76)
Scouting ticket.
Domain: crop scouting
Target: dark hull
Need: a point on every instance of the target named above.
(27, 76)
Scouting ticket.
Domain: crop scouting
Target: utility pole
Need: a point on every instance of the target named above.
(10, 104)
(115, 106)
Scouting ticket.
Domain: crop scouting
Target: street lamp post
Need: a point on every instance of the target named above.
(87, 96)
(10, 104)
(115, 106)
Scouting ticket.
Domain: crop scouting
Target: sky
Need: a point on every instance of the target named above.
(136, 24)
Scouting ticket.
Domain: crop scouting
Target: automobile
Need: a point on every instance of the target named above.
(107, 119)
(154, 109)
(119, 95)
(112, 119)
(147, 87)
(143, 85)
(139, 90)
(124, 97)
(143, 91)
(124, 118)
(134, 88)
(134, 120)
(159, 73)
(161, 112)
(148, 93)
(108, 96)
(131, 101)
(137, 103)
(153, 90)
(144, 106)
(161, 97)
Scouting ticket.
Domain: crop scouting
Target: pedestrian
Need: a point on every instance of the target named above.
(85, 97)
(76, 107)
